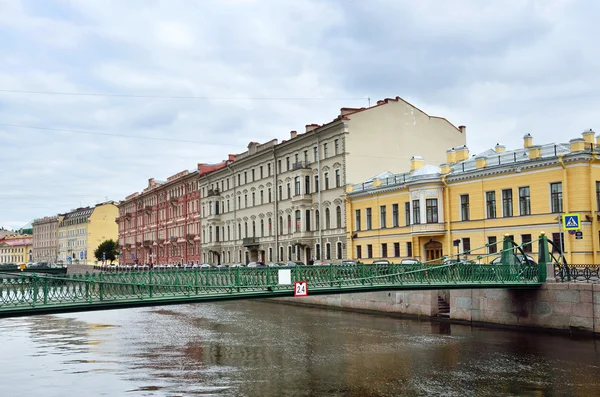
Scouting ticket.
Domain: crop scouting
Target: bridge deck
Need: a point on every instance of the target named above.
(36, 293)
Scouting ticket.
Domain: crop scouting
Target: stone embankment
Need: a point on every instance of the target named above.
(573, 307)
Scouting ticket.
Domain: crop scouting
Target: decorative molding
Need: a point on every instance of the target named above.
(338, 201)
(269, 184)
(253, 217)
(336, 165)
(325, 168)
(269, 214)
(415, 194)
(261, 216)
(432, 193)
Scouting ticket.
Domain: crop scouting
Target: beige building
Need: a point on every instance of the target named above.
(81, 231)
(285, 201)
(45, 239)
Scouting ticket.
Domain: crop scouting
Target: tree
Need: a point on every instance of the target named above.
(107, 250)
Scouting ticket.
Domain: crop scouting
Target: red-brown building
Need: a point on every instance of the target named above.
(161, 225)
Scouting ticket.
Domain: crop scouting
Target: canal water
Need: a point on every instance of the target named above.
(256, 348)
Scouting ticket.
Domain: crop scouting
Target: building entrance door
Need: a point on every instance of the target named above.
(433, 252)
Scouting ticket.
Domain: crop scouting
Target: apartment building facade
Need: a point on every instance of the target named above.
(17, 249)
(81, 231)
(282, 201)
(45, 239)
(470, 203)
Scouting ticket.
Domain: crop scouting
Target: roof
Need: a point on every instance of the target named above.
(427, 170)
(78, 213)
(17, 241)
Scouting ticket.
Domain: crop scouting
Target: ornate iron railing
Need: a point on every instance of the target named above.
(577, 272)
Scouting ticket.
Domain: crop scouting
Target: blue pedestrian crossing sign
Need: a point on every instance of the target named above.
(571, 222)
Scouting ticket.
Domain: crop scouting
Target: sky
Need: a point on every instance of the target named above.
(182, 82)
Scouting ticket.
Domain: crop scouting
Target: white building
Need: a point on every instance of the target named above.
(286, 201)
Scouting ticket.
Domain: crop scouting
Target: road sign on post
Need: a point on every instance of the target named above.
(571, 222)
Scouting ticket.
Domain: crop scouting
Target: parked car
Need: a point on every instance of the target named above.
(409, 261)
(256, 264)
(294, 263)
(221, 266)
(382, 262)
(519, 259)
(321, 263)
(275, 264)
(205, 266)
(237, 265)
(348, 262)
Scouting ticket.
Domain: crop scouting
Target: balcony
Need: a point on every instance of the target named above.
(213, 193)
(250, 242)
(213, 217)
(300, 165)
(303, 238)
(428, 228)
(148, 243)
(299, 199)
(212, 246)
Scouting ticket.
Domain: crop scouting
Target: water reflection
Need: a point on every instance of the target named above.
(257, 348)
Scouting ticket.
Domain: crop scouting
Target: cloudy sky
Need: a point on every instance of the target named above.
(256, 69)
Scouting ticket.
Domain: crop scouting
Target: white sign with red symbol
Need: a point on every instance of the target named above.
(300, 288)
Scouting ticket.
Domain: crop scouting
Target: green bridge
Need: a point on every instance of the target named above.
(28, 294)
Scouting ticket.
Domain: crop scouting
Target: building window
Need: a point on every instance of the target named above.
(559, 242)
(253, 175)
(432, 210)
(261, 172)
(306, 157)
(289, 252)
(490, 204)
(397, 250)
(317, 220)
(317, 187)
(316, 153)
(409, 249)
(339, 250)
(338, 181)
(357, 220)
(325, 151)
(281, 226)
(287, 163)
(464, 207)
(394, 215)
(369, 250)
(253, 199)
(492, 245)
(384, 253)
(416, 214)
(507, 203)
(297, 186)
(556, 197)
(327, 218)
(239, 180)
(369, 219)
(307, 220)
(326, 180)
(382, 216)
(526, 243)
(336, 147)
(466, 242)
(289, 224)
(298, 221)
(358, 252)
(524, 201)
(318, 252)
(338, 216)
(597, 196)
(262, 197)
(245, 177)
(289, 191)
(262, 228)
(245, 201)
(407, 213)
(328, 251)
(270, 226)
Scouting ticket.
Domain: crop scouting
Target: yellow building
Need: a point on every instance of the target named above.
(16, 249)
(81, 231)
(471, 201)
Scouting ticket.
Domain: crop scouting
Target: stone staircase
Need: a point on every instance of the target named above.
(443, 307)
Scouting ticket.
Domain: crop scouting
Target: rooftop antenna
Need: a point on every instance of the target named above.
(369, 99)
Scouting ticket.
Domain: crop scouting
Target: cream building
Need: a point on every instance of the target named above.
(81, 231)
(285, 201)
(45, 239)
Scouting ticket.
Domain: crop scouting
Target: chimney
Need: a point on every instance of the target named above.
(231, 157)
(380, 102)
(577, 145)
(345, 111)
(500, 148)
(293, 134)
(462, 129)
(446, 168)
(310, 127)
(588, 137)
(527, 141)
(416, 162)
(462, 153)
(480, 162)
(535, 152)
(450, 156)
(151, 182)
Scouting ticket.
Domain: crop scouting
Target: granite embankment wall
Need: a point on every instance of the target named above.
(560, 306)
(564, 306)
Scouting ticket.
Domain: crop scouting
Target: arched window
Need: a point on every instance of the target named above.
(339, 250)
(253, 228)
(298, 221)
(262, 228)
(338, 216)
(245, 229)
(317, 220)
(270, 227)
(327, 251)
(281, 229)
(327, 218)
(289, 229)
(318, 252)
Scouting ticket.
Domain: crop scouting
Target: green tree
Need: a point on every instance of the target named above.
(107, 249)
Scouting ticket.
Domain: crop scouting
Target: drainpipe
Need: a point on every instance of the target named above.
(594, 225)
(276, 206)
(447, 215)
(319, 198)
(565, 205)
(234, 209)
